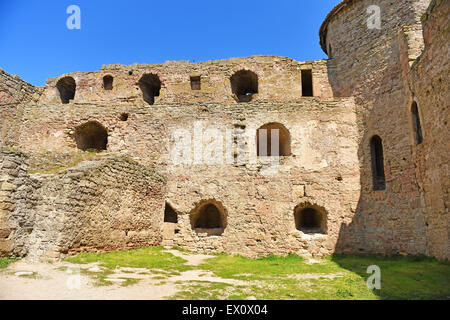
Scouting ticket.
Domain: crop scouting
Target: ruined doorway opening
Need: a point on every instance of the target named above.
(377, 159)
(417, 128)
(244, 84)
(91, 136)
(66, 87)
(310, 219)
(209, 217)
(268, 132)
(307, 86)
(170, 215)
(150, 86)
(108, 82)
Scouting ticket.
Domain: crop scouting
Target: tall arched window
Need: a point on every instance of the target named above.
(417, 128)
(108, 82)
(66, 87)
(376, 153)
(268, 135)
(91, 135)
(244, 84)
(150, 86)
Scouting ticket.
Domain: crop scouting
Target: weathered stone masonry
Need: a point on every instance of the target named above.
(323, 198)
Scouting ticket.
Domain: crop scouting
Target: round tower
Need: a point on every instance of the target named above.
(361, 39)
(366, 46)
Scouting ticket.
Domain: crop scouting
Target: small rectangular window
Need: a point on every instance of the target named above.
(307, 87)
(195, 83)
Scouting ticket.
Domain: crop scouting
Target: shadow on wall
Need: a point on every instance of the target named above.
(388, 218)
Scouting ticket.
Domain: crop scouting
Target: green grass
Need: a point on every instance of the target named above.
(238, 267)
(403, 277)
(49, 163)
(150, 258)
(339, 277)
(274, 277)
(4, 262)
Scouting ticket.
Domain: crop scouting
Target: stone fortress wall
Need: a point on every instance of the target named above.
(321, 198)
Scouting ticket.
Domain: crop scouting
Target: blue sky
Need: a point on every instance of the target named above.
(36, 44)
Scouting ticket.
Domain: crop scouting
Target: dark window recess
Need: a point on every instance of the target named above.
(170, 215)
(66, 87)
(310, 220)
(209, 217)
(244, 84)
(307, 87)
(123, 116)
(108, 82)
(91, 135)
(417, 128)
(195, 83)
(376, 152)
(150, 86)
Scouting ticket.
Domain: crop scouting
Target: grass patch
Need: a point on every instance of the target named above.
(145, 257)
(50, 163)
(409, 277)
(338, 277)
(4, 262)
(281, 277)
(242, 268)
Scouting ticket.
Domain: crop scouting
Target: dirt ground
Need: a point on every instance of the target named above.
(62, 280)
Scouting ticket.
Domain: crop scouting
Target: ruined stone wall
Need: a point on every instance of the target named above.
(428, 81)
(16, 189)
(321, 171)
(279, 79)
(113, 203)
(14, 92)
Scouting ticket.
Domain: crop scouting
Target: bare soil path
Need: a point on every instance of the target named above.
(62, 280)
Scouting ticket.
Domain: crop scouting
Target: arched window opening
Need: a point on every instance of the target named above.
(417, 128)
(170, 214)
(376, 152)
(108, 82)
(209, 217)
(307, 86)
(91, 136)
(66, 87)
(150, 86)
(268, 135)
(310, 219)
(244, 84)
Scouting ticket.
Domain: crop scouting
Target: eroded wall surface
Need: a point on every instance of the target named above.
(103, 204)
(428, 81)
